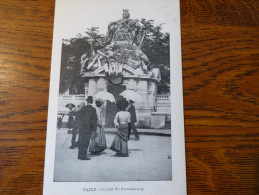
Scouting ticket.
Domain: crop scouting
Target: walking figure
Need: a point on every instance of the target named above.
(132, 111)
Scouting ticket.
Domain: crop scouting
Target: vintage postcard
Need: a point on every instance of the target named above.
(115, 122)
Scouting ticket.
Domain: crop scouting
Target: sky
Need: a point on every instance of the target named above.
(76, 16)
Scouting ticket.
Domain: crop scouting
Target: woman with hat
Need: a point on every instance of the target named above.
(98, 140)
(121, 120)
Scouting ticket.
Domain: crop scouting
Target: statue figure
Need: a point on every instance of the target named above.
(125, 14)
(84, 59)
(123, 42)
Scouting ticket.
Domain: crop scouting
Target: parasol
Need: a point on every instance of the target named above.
(104, 95)
(70, 106)
(131, 95)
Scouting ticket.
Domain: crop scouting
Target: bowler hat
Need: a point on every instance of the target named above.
(89, 99)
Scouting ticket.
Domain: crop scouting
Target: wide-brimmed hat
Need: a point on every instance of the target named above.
(122, 104)
(99, 100)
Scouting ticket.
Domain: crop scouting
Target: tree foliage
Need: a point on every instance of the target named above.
(155, 45)
(70, 77)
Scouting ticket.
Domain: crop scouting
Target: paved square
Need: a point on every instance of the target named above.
(149, 160)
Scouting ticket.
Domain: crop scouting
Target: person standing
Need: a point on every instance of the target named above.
(59, 123)
(70, 121)
(87, 125)
(98, 140)
(132, 111)
(121, 121)
(75, 124)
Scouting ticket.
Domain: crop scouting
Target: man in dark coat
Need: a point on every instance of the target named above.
(75, 125)
(87, 119)
(132, 111)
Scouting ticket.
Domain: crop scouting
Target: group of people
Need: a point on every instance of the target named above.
(89, 127)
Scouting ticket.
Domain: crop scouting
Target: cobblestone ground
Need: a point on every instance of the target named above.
(149, 160)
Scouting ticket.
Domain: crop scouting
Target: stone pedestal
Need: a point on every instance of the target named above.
(93, 87)
(157, 120)
(144, 85)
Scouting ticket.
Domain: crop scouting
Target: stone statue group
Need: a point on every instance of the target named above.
(88, 125)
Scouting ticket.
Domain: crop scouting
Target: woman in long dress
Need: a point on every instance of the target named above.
(98, 140)
(121, 120)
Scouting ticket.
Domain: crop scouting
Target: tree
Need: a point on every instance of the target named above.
(95, 39)
(155, 45)
(70, 77)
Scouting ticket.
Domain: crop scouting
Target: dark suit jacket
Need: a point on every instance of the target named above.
(132, 112)
(87, 119)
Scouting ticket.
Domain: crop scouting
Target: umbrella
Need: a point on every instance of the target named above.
(104, 95)
(70, 106)
(131, 95)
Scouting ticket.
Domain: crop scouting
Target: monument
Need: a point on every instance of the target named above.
(121, 64)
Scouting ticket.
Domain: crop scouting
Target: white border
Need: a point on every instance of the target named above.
(171, 12)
